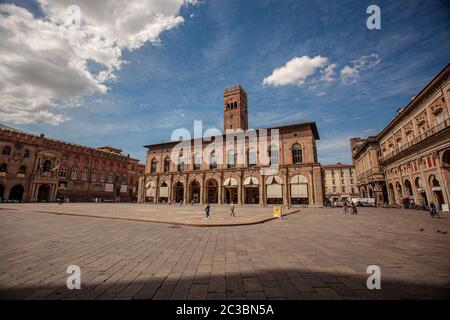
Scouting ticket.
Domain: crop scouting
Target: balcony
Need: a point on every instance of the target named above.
(387, 158)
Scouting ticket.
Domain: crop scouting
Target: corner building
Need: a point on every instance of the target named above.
(296, 180)
(34, 168)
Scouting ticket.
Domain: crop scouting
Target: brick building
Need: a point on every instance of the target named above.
(410, 157)
(34, 168)
(235, 172)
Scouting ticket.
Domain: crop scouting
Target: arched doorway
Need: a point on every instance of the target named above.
(2, 191)
(16, 193)
(363, 193)
(251, 187)
(422, 195)
(44, 193)
(370, 193)
(385, 194)
(178, 191)
(231, 190)
(399, 190)
(299, 190)
(194, 195)
(164, 192)
(391, 192)
(437, 190)
(150, 192)
(212, 191)
(274, 190)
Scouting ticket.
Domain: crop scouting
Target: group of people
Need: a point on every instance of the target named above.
(208, 210)
(353, 207)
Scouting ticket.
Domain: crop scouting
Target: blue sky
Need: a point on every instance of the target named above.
(169, 84)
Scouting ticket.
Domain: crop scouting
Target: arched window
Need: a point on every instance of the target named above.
(197, 161)
(6, 151)
(273, 155)
(167, 164)
(47, 166)
(84, 175)
(124, 179)
(212, 160)
(297, 154)
(110, 177)
(94, 175)
(153, 166)
(103, 176)
(63, 172)
(3, 167)
(22, 170)
(231, 159)
(74, 173)
(26, 154)
(251, 157)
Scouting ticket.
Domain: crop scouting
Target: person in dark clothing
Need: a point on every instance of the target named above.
(207, 210)
(345, 210)
(354, 209)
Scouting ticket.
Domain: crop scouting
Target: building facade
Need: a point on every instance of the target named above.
(411, 155)
(340, 182)
(415, 147)
(38, 169)
(370, 178)
(234, 172)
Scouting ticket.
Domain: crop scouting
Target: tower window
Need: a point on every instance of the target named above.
(297, 154)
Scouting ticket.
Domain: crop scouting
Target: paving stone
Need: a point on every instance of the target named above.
(316, 254)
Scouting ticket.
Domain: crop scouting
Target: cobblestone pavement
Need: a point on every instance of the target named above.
(191, 215)
(316, 254)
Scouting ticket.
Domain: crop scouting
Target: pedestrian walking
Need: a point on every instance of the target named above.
(207, 210)
(354, 209)
(345, 210)
(433, 210)
(232, 210)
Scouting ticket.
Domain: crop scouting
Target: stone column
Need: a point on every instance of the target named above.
(185, 193)
(157, 190)
(220, 194)
(263, 191)
(202, 190)
(318, 188)
(240, 202)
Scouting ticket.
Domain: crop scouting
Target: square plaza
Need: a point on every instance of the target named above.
(129, 251)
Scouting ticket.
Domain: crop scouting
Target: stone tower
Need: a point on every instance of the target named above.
(235, 114)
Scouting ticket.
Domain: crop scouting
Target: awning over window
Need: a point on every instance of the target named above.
(150, 192)
(164, 192)
(150, 184)
(274, 179)
(274, 191)
(299, 190)
(230, 182)
(249, 181)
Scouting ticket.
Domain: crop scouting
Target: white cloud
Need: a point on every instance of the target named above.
(296, 71)
(44, 64)
(350, 73)
(328, 73)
